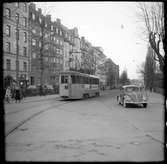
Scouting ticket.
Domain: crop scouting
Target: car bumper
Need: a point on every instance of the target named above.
(138, 103)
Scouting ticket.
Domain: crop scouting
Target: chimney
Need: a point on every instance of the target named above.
(58, 21)
(40, 11)
(33, 6)
(48, 17)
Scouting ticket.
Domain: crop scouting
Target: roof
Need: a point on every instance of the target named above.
(74, 72)
(125, 86)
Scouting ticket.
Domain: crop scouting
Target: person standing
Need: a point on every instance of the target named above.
(17, 94)
(8, 94)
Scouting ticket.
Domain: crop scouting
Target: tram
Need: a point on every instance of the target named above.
(76, 85)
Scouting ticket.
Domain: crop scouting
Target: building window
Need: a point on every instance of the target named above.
(25, 51)
(17, 48)
(17, 17)
(8, 30)
(17, 33)
(66, 35)
(57, 41)
(33, 16)
(8, 46)
(46, 36)
(40, 33)
(46, 59)
(57, 30)
(33, 31)
(33, 42)
(24, 66)
(17, 4)
(8, 64)
(34, 55)
(25, 22)
(60, 33)
(17, 65)
(8, 13)
(46, 47)
(40, 44)
(40, 20)
(25, 7)
(25, 37)
(52, 27)
(32, 81)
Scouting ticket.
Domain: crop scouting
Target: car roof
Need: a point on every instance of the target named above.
(126, 86)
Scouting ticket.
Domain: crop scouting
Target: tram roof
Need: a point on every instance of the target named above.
(79, 73)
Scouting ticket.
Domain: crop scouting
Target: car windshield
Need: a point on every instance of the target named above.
(131, 89)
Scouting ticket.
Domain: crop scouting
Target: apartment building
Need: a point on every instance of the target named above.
(16, 42)
(75, 52)
(47, 48)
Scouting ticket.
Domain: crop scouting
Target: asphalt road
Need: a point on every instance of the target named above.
(95, 129)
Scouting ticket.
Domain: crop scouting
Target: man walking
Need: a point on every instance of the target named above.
(8, 94)
(17, 94)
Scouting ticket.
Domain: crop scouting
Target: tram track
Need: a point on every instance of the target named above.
(25, 120)
(28, 107)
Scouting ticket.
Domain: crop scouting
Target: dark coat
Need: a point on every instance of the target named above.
(17, 94)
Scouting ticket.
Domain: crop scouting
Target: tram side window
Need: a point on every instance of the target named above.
(78, 79)
(85, 80)
(73, 79)
(81, 78)
(64, 79)
(96, 81)
(91, 81)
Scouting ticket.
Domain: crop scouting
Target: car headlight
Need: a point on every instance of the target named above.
(144, 98)
(127, 97)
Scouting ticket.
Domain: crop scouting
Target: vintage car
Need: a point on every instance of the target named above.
(132, 94)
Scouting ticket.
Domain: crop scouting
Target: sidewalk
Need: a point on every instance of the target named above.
(154, 97)
(36, 98)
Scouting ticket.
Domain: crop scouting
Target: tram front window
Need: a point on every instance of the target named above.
(64, 79)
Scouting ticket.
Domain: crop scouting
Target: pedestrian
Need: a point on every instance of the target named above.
(13, 93)
(17, 94)
(8, 94)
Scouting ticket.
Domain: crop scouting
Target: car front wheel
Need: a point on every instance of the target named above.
(118, 100)
(145, 105)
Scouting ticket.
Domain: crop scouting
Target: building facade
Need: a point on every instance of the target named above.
(112, 74)
(36, 49)
(76, 50)
(15, 42)
(47, 48)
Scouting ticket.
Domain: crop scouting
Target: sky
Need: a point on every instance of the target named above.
(113, 26)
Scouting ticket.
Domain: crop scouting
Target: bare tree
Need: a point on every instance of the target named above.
(152, 14)
(149, 69)
(124, 78)
(140, 70)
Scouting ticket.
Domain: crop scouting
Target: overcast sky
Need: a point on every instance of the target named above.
(110, 25)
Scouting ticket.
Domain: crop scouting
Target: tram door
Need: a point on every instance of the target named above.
(64, 86)
(76, 89)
